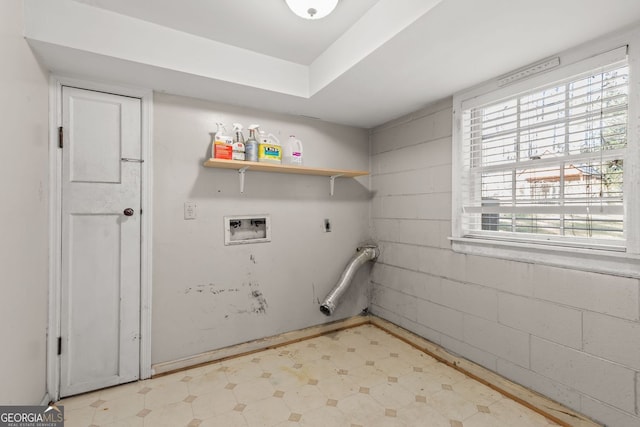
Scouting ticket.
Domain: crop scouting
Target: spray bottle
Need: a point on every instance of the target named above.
(222, 147)
(238, 143)
(251, 145)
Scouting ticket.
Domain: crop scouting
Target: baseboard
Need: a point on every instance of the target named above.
(45, 400)
(255, 346)
(532, 400)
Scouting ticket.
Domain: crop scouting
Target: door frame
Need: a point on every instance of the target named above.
(56, 83)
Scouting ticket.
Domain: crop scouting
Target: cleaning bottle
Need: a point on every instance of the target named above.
(238, 148)
(269, 149)
(222, 144)
(292, 152)
(251, 145)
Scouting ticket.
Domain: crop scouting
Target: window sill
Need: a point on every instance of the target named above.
(594, 260)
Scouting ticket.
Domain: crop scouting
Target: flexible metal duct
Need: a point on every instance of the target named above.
(365, 254)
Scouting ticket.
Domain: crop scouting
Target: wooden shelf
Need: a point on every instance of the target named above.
(243, 166)
(269, 167)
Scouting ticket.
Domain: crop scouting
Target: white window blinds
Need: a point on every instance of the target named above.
(548, 164)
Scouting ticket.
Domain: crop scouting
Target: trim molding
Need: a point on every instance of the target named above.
(45, 400)
(256, 345)
(56, 82)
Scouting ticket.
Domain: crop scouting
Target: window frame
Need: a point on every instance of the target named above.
(624, 262)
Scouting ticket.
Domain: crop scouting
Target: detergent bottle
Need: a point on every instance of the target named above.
(269, 149)
(222, 147)
(238, 147)
(292, 152)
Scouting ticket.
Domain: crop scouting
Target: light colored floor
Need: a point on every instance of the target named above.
(361, 376)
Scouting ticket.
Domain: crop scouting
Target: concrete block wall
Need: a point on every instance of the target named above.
(571, 335)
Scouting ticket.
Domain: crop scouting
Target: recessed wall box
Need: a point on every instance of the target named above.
(243, 229)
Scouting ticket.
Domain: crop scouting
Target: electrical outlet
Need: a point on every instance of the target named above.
(190, 210)
(327, 225)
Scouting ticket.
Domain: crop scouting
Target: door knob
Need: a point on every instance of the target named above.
(128, 212)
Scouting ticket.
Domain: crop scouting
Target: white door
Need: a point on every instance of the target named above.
(100, 274)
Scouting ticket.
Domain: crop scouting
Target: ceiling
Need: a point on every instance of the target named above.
(264, 26)
(368, 62)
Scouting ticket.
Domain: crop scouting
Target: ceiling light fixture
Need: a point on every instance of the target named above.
(312, 9)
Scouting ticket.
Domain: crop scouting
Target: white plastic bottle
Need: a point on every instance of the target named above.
(238, 152)
(222, 145)
(292, 151)
(269, 149)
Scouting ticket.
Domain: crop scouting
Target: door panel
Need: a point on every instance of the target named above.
(94, 335)
(100, 288)
(96, 124)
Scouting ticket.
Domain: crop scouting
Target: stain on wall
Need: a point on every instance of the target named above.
(256, 303)
(210, 288)
(259, 302)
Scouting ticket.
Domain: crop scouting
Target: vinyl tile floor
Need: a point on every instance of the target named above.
(360, 376)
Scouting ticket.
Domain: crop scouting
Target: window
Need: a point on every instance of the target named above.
(544, 163)
(548, 164)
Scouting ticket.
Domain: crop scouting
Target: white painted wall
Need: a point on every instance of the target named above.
(60, 22)
(206, 295)
(23, 214)
(571, 335)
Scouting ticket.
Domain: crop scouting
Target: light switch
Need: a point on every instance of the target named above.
(190, 210)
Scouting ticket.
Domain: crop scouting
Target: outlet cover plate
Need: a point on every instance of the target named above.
(190, 210)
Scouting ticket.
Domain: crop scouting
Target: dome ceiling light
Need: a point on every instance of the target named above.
(312, 9)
